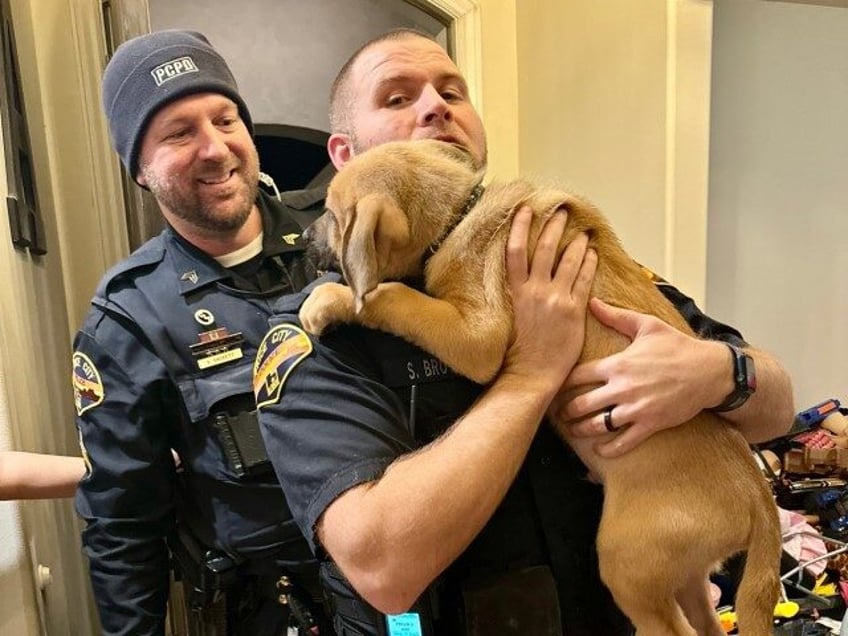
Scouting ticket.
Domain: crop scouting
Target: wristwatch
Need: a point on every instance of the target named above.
(744, 380)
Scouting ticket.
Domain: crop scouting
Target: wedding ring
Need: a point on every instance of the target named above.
(608, 419)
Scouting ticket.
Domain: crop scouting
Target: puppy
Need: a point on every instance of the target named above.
(676, 506)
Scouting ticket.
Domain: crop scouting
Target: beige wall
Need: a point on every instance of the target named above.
(612, 103)
(499, 95)
(79, 171)
(18, 612)
(43, 300)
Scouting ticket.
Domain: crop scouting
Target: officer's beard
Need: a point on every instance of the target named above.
(211, 215)
(480, 163)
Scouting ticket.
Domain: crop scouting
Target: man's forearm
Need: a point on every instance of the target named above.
(393, 537)
(770, 411)
(38, 476)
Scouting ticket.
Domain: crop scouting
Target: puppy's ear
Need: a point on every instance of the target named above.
(377, 227)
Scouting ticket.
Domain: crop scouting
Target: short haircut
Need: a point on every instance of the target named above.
(341, 93)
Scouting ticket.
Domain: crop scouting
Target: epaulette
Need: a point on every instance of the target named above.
(150, 253)
(304, 199)
(305, 206)
(290, 303)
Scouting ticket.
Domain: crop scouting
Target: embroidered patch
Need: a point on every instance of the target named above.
(172, 69)
(88, 387)
(281, 350)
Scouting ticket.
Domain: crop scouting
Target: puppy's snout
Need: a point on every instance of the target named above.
(318, 249)
(316, 232)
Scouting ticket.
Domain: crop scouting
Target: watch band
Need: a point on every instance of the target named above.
(744, 380)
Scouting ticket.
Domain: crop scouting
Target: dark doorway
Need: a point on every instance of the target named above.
(295, 157)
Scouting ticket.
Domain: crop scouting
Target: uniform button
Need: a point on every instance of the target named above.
(546, 460)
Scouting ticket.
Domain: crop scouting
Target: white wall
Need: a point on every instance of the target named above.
(778, 204)
(284, 69)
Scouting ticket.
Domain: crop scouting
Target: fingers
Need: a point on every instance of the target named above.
(576, 267)
(608, 419)
(625, 321)
(550, 290)
(516, 246)
(611, 419)
(544, 257)
(624, 441)
(578, 264)
(592, 372)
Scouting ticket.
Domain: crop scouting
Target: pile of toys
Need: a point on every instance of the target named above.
(808, 469)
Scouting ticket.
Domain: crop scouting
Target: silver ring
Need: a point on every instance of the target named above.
(608, 419)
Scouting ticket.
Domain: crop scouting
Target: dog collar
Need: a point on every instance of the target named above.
(472, 200)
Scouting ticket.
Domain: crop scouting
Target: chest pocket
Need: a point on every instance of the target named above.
(203, 392)
(220, 401)
(207, 340)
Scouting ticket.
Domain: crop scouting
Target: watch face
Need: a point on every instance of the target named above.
(747, 377)
(750, 373)
(744, 380)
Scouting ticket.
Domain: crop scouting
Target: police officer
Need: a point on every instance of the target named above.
(162, 364)
(443, 507)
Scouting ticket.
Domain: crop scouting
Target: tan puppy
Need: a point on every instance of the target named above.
(676, 506)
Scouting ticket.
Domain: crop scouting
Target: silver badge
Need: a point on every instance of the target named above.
(204, 317)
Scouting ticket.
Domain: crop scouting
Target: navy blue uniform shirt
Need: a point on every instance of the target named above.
(170, 340)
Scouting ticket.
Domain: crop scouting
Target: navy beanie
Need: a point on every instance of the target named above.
(152, 70)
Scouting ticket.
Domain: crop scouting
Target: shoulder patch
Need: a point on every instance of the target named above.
(88, 387)
(281, 350)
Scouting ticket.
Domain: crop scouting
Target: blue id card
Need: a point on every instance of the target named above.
(408, 624)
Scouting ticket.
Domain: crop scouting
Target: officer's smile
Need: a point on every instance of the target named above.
(220, 180)
(217, 181)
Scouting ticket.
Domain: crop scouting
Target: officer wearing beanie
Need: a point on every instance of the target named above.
(162, 365)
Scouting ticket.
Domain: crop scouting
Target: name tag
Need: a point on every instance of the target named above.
(409, 370)
(408, 624)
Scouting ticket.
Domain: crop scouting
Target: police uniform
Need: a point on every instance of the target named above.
(164, 361)
(335, 412)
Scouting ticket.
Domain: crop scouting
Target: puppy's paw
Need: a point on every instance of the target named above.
(328, 304)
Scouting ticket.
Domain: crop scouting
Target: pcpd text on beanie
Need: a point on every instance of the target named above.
(152, 70)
